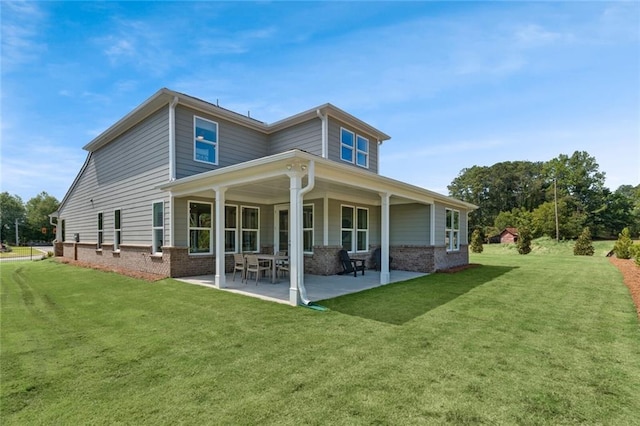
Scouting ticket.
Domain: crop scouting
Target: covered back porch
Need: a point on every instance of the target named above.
(397, 217)
(318, 287)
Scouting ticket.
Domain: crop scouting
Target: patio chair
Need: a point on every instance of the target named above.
(282, 265)
(255, 266)
(376, 259)
(350, 265)
(240, 264)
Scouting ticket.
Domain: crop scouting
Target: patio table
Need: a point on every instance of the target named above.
(272, 258)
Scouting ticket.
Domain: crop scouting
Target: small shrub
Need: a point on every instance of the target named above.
(476, 241)
(635, 252)
(583, 246)
(49, 254)
(524, 240)
(623, 246)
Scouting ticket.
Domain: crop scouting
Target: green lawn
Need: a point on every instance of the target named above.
(538, 339)
(22, 252)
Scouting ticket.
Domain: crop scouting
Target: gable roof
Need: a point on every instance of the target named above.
(165, 96)
(512, 231)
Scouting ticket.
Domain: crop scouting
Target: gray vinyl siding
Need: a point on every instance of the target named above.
(305, 136)
(441, 223)
(236, 144)
(122, 175)
(334, 144)
(409, 224)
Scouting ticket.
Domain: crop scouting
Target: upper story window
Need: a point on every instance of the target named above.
(354, 148)
(200, 236)
(205, 134)
(452, 230)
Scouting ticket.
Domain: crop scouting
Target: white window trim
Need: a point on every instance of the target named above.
(313, 216)
(235, 229)
(214, 143)
(200, 228)
(242, 229)
(154, 243)
(354, 149)
(116, 246)
(358, 230)
(454, 243)
(100, 233)
(343, 145)
(352, 229)
(355, 159)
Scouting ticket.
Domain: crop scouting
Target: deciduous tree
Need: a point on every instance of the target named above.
(11, 208)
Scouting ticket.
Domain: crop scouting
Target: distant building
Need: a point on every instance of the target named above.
(509, 235)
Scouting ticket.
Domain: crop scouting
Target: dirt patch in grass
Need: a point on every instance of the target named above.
(127, 272)
(631, 275)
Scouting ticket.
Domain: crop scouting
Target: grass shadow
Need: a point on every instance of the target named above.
(401, 302)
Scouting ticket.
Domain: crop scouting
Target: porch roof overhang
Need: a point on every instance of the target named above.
(265, 181)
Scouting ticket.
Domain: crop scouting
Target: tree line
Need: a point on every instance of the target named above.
(559, 197)
(32, 218)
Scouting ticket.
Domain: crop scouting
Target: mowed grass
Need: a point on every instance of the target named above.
(538, 339)
(19, 251)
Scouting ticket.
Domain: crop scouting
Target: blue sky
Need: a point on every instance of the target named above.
(455, 84)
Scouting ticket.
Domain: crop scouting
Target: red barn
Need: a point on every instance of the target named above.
(509, 235)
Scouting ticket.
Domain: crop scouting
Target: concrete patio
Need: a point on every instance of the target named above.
(318, 287)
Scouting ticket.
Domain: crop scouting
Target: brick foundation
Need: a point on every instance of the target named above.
(412, 258)
(450, 259)
(176, 261)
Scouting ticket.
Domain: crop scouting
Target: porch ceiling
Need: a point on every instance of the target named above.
(275, 190)
(266, 181)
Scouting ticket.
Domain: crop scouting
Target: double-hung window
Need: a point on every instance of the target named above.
(250, 222)
(100, 230)
(157, 226)
(452, 230)
(230, 229)
(362, 229)
(355, 228)
(354, 148)
(307, 228)
(117, 229)
(347, 227)
(200, 228)
(205, 144)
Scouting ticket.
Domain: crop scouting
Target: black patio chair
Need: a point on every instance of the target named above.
(350, 265)
(376, 259)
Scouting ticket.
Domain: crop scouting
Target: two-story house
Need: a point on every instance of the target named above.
(179, 185)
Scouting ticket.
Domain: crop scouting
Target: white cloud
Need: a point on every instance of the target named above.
(21, 22)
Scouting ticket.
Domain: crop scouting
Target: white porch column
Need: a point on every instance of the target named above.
(384, 238)
(296, 261)
(219, 237)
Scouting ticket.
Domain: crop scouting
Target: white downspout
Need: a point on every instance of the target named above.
(298, 292)
(172, 139)
(325, 133)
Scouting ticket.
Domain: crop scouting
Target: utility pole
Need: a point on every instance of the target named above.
(17, 231)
